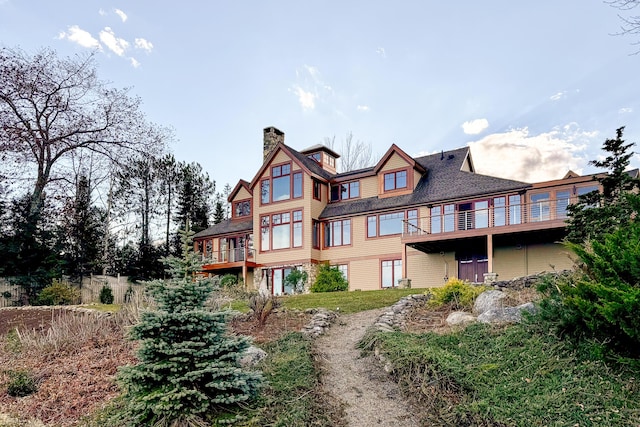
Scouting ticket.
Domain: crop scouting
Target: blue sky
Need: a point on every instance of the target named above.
(533, 87)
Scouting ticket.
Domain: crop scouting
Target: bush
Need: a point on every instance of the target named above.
(21, 383)
(329, 279)
(106, 295)
(58, 293)
(459, 293)
(262, 306)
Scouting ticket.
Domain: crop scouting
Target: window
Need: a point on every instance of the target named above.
(242, 208)
(265, 194)
(562, 201)
(499, 211)
(482, 214)
(436, 220)
(449, 217)
(317, 190)
(391, 273)
(395, 180)
(412, 221)
(346, 191)
(390, 224)
(586, 190)
(344, 269)
(330, 160)
(515, 212)
(282, 185)
(316, 234)
(316, 156)
(278, 280)
(277, 230)
(337, 233)
(540, 209)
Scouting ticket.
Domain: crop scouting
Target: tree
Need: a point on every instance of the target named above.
(630, 25)
(52, 107)
(189, 366)
(597, 214)
(353, 154)
(195, 194)
(218, 213)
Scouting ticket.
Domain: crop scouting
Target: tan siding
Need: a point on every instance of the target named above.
(511, 261)
(394, 162)
(281, 157)
(416, 178)
(243, 194)
(429, 270)
(369, 187)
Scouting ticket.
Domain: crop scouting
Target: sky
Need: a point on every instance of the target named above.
(534, 88)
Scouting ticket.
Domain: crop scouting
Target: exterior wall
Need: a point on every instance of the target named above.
(430, 270)
(369, 187)
(242, 194)
(394, 162)
(511, 261)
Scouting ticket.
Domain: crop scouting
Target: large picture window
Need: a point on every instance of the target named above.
(282, 185)
(337, 233)
(391, 223)
(281, 230)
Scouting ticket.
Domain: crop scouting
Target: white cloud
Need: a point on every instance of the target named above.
(80, 36)
(307, 99)
(134, 62)
(143, 44)
(121, 14)
(516, 154)
(102, 12)
(363, 108)
(475, 127)
(115, 44)
(380, 51)
(558, 96)
(625, 110)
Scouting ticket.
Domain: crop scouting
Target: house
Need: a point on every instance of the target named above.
(406, 220)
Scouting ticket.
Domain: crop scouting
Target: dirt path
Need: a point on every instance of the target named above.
(371, 397)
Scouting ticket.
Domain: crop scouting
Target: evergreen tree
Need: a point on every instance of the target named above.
(218, 213)
(189, 367)
(597, 214)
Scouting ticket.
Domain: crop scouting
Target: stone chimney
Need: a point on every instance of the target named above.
(272, 136)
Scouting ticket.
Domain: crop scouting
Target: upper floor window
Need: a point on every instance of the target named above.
(348, 190)
(316, 156)
(337, 233)
(395, 180)
(282, 185)
(317, 190)
(242, 208)
(391, 223)
(281, 230)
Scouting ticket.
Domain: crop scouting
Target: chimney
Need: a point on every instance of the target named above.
(272, 136)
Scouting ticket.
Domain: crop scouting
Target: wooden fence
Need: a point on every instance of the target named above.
(90, 290)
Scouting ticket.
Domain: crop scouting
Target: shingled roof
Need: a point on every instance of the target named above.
(226, 227)
(444, 181)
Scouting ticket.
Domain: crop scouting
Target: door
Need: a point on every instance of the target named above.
(472, 268)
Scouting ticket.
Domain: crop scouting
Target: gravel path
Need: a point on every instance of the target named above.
(371, 397)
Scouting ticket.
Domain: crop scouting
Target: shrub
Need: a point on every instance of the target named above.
(459, 293)
(229, 281)
(189, 366)
(21, 383)
(262, 306)
(297, 280)
(58, 293)
(329, 279)
(106, 295)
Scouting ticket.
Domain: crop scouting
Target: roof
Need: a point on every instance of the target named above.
(226, 227)
(443, 181)
(319, 147)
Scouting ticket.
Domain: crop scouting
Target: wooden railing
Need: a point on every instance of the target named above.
(229, 255)
(487, 217)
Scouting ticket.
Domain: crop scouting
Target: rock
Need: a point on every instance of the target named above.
(488, 300)
(506, 314)
(459, 318)
(252, 356)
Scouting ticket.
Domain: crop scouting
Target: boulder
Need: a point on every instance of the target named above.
(459, 318)
(506, 314)
(252, 356)
(488, 300)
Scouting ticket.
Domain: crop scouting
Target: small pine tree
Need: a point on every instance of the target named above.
(189, 367)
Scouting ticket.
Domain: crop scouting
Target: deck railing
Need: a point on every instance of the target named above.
(228, 255)
(487, 217)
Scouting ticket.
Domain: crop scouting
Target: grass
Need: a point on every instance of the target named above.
(293, 396)
(511, 376)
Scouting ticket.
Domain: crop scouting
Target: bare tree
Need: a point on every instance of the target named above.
(630, 24)
(52, 107)
(353, 154)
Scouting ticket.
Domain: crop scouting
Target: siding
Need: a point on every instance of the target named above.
(429, 270)
(243, 194)
(394, 162)
(369, 187)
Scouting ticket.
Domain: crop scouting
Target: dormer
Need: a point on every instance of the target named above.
(397, 172)
(241, 201)
(323, 155)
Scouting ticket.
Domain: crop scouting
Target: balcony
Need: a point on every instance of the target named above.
(548, 216)
(229, 258)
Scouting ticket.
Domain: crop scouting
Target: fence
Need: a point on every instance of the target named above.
(89, 292)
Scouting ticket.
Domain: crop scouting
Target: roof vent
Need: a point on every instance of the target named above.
(442, 155)
(451, 156)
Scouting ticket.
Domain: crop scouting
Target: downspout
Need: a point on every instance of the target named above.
(446, 267)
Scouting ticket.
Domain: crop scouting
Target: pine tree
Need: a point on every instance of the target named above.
(189, 367)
